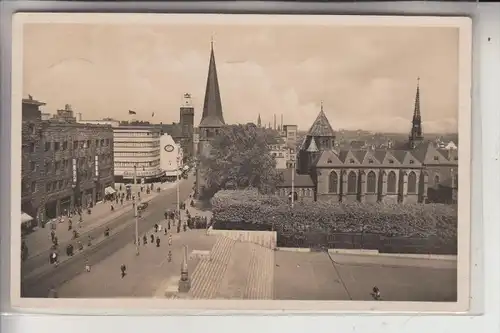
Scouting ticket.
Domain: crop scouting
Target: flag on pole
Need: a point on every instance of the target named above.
(131, 112)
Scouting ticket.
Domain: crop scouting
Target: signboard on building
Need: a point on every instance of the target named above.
(74, 172)
(96, 165)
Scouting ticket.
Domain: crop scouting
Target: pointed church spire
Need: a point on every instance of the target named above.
(212, 106)
(275, 121)
(416, 135)
(259, 122)
(321, 126)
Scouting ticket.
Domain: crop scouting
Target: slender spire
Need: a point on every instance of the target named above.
(321, 106)
(416, 135)
(259, 122)
(212, 106)
(275, 121)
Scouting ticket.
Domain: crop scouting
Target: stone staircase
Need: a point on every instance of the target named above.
(260, 279)
(208, 274)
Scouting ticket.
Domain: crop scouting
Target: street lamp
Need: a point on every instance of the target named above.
(136, 216)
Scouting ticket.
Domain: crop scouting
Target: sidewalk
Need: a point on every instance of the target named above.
(39, 240)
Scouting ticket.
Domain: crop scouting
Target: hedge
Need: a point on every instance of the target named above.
(394, 220)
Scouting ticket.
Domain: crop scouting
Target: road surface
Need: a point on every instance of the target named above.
(38, 285)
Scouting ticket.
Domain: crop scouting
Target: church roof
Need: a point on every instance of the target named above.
(312, 146)
(212, 105)
(321, 126)
(298, 180)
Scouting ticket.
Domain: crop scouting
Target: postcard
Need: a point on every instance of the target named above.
(241, 162)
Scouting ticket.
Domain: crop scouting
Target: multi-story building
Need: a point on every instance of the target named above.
(171, 157)
(65, 164)
(139, 147)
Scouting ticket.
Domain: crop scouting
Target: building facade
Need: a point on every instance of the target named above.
(171, 157)
(137, 150)
(418, 172)
(65, 165)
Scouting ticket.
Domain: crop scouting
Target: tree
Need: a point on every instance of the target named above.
(239, 157)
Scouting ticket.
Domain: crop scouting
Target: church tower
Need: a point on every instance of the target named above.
(416, 137)
(186, 121)
(320, 137)
(211, 122)
(259, 121)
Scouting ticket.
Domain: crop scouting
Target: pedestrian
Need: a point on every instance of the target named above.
(157, 241)
(144, 239)
(106, 232)
(376, 293)
(52, 235)
(184, 226)
(87, 265)
(80, 246)
(152, 238)
(123, 269)
(89, 241)
(75, 234)
(169, 256)
(159, 227)
(156, 227)
(169, 239)
(112, 208)
(70, 224)
(165, 231)
(55, 241)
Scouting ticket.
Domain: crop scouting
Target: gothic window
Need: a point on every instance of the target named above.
(351, 182)
(412, 182)
(371, 182)
(333, 182)
(391, 182)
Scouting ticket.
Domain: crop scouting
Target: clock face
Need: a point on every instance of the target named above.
(169, 148)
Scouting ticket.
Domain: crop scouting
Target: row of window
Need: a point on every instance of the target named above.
(301, 192)
(133, 144)
(77, 144)
(391, 161)
(53, 186)
(66, 164)
(371, 182)
(138, 153)
(137, 164)
(120, 134)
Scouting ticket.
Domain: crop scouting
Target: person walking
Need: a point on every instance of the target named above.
(157, 241)
(123, 269)
(169, 256)
(87, 265)
(169, 239)
(152, 238)
(144, 239)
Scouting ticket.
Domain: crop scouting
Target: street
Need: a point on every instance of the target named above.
(122, 232)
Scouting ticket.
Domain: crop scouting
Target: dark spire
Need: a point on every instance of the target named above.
(259, 122)
(416, 136)
(275, 121)
(212, 106)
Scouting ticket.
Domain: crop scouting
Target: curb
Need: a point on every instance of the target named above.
(293, 249)
(353, 251)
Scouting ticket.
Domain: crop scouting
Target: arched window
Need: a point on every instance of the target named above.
(352, 182)
(333, 182)
(436, 180)
(371, 182)
(391, 182)
(412, 182)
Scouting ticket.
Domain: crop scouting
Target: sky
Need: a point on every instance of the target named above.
(366, 77)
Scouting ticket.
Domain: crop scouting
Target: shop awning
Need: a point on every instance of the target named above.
(172, 173)
(25, 217)
(109, 190)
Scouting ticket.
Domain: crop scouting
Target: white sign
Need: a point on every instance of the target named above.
(74, 171)
(96, 165)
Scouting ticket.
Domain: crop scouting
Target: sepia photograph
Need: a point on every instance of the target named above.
(227, 158)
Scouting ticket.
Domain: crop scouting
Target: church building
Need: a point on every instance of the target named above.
(415, 173)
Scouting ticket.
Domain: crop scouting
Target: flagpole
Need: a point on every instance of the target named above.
(136, 215)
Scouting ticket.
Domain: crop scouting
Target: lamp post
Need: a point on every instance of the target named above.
(177, 187)
(136, 216)
(293, 182)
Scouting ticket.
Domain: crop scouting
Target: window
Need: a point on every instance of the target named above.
(65, 145)
(436, 180)
(436, 158)
(48, 187)
(391, 161)
(351, 161)
(32, 166)
(32, 147)
(370, 161)
(81, 144)
(102, 143)
(88, 143)
(57, 166)
(371, 182)
(75, 144)
(455, 158)
(412, 182)
(352, 182)
(329, 161)
(57, 146)
(60, 184)
(391, 182)
(48, 167)
(47, 146)
(333, 182)
(412, 161)
(97, 143)
(33, 187)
